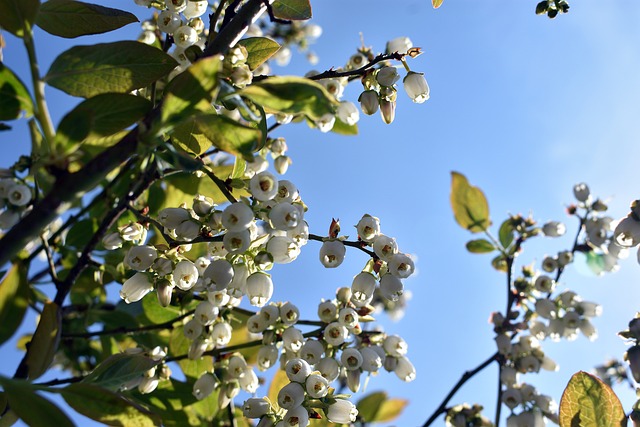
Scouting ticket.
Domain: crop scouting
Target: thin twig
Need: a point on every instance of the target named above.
(358, 244)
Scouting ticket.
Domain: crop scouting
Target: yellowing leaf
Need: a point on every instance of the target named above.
(589, 402)
(480, 246)
(278, 381)
(45, 341)
(469, 204)
(436, 3)
(14, 294)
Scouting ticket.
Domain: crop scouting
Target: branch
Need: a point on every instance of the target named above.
(358, 245)
(465, 377)
(332, 74)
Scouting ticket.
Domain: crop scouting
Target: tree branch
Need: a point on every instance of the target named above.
(358, 245)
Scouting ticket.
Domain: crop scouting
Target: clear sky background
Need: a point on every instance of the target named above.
(524, 106)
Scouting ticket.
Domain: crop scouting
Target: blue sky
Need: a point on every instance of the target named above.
(523, 105)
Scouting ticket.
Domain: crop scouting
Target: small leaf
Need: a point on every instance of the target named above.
(292, 9)
(469, 204)
(16, 16)
(44, 343)
(291, 95)
(14, 295)
(499, 263)
(98, 117)
(390, 410)
(436, 3)
(192, 90)
(589, 402)
(369, 406)
(119, 369)
(278, 381)
(596, 263)
(107, 407)
(259, 49)
(32, 408)
(505, 235)
(14, 96)
(108, 67)
(480, 246)
(70, 18)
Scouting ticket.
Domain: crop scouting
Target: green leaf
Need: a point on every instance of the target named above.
(278, 381)
(370, 404)
(480, 246)
(499, 263)
(259, 49)
(107, 407)
(505, 234)
(436, 3)
(203, 131)
(99, 117)
(70, 18)
(44, 342)
(14, 96)
(192, 90)
(291, 95)
(391, 409)
(9, 417)
(157, 313)
(108, 67)
(119, 369)
(32, 408)
(596, 263)
(292, 9)
(589, 402)
(179, 345)
(469, 204)
(81, 232)
(17, 16)
(341, 128)
(14, 297)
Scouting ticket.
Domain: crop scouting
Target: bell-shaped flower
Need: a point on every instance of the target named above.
(136, 287)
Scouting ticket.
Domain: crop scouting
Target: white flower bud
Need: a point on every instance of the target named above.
(332, 253)
(140, 258)
(371, 359)
(581, 192)
(168, 21)
(405, 370)
(110, 242)
(173, 217)
(281, 164)
(387, 111)
(204, 386)
(369, 102)
(387, 76)
(237, 287)
(395, 346)
(136, 287)
(554, 229)
(218, 275)
(133, 232)
(416, 87)
(348, 113)
(362, 288)
(342, 411)
(256, 407)
(399, 44)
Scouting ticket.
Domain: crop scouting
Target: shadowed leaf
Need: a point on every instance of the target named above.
(14, 295)
(14, 96)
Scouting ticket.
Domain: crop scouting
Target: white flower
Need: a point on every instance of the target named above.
(545, 284)
(236, 242)
(221, 334)
(259, 288)
(387, 110)
(512, 397)
(237, 217)
(416, 87)
(140, 257)
(173, 217)
(333, 86)
(385, 247)
(263, 186)
(391, 287)
(342, 412)
(368, 228)
(627, 233)
(371, 359)
(249, 381)
(206, 313)
(312, 351)
(332, 253)
(401, 265)
(387, 76)
(297, 370)
(395, 346)
(325, 123)
(168, 21)
(195, 8)
(335, 334)
(351, 359)
(204, 386)
(187, 230)
(362, 288)
(405, 370)
(255, 407)
(192, 329)
(185, 274)
(267, 356)
(297, 417)
(348, 317)
(581, 192)
(136, 287)
(328, 310)
(19, 195)
(328, 368)
(317, 386)
(399, 44)
(283, 249)
(284, 216)
(291, 396)
(289, 314)
(281, 164)
(292, 339)
(218, 275)
(348, 113)
(185, 36)
(554, 229)
(133, 232)
(110, 242)
(369, 102)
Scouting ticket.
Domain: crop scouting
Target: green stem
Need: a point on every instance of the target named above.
(41, 111)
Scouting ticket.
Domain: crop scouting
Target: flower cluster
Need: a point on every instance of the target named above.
(15, 198)
(465, 415)
(231, 375)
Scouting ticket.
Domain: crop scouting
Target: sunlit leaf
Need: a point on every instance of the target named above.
(107, 407)
(119, 369)
(99, 117)
(589, 402)
(278, 381)
(32, 408)
(505, 234)
(436, 3)
(499, 263)
(596, 263)
(292, 9)
(469, 204)
(391, 409)
(16, 16)
(342, 128)
(45, 341)
(70, 18)
(259, 49)
(108, 67)
(14, 96)
(291, 95)
(480, 246)
(369, 405)
(14, 296)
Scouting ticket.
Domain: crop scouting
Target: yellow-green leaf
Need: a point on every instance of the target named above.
(378, 407)
(505, 234)
(108, 67)
(292, 9)
(70, 18)
(107, 407)
(259, 49)
(589, 402)
(390, 410)
(14, 96)
(44, 343)
(469, 204)
(16, 16)
(480, 246)
(278, 381)
(14, 296)
(32, 408)
(291, 95)
(436, 3)
(119, 369)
